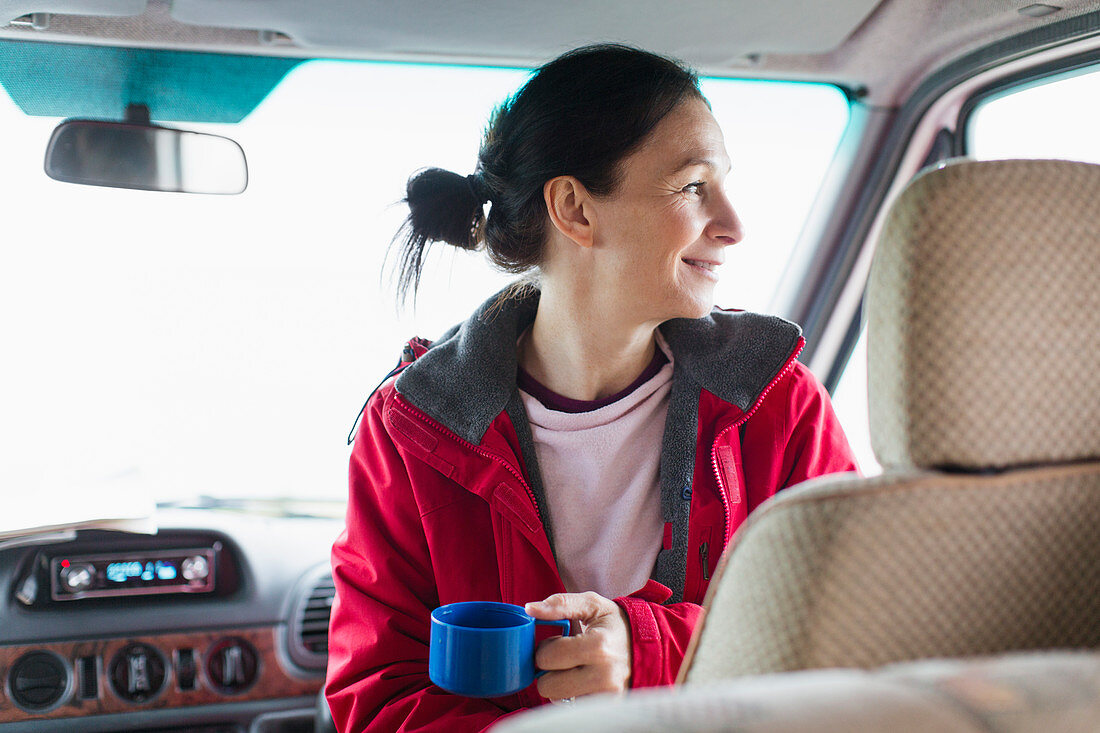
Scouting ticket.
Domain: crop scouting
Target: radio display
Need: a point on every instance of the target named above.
(133, 573)
(148, 573)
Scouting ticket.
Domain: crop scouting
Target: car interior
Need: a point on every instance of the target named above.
(196, 303)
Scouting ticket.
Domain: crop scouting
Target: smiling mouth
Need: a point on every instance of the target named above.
(708, 266)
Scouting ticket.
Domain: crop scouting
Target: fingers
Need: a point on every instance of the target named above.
(596, 660)
(583, 607)
(593, 647)
(576, 682)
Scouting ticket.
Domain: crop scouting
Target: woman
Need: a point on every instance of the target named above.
(585, 446)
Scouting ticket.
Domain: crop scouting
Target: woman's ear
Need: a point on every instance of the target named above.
(570, 208)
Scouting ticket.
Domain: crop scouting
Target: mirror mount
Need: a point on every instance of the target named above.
(138, 114)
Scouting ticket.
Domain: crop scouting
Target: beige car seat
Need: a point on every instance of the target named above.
(983, 534)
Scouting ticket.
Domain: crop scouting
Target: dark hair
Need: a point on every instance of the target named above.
(581, 114)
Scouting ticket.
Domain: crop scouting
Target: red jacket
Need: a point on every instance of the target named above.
(443, 506)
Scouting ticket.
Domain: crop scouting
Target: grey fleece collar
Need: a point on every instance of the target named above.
(468, 376)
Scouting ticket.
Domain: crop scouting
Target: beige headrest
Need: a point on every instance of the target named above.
(984, 316)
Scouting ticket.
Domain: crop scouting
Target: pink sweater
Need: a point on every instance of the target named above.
(600, 473)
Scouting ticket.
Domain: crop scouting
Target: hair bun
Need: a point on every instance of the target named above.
(445, 207)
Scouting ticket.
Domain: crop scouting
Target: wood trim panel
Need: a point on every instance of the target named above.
(272, 680)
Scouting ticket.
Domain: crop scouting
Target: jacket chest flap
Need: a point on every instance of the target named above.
(489, 471)
(727, 463)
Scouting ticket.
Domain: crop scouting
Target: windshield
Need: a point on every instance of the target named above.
(179, 345)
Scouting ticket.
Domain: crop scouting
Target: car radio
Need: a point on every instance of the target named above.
(133, 573)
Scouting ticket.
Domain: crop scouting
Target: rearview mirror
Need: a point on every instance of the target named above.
(147, 157)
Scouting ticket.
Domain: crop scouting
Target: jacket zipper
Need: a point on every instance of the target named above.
(481, 452)
(740, 421)
(703, 560)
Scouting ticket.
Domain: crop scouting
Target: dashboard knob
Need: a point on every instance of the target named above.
(232, 665)
(195, 568)
(137, 673)
(78, 577)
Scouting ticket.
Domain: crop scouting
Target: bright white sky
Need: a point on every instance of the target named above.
(1054, 120)
(173, 345)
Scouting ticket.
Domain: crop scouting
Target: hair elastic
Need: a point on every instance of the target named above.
(478, 187)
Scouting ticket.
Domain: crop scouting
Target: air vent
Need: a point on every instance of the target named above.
(309, 624)
(315, 614)
(38, 681)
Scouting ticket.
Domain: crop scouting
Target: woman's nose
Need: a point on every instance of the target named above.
(725, 226)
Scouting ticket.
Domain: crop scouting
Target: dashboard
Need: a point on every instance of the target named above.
(216, 623)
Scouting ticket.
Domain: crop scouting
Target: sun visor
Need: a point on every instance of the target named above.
(64, 80)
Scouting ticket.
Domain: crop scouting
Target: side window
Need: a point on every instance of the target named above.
(1057, 118)
(850, 403)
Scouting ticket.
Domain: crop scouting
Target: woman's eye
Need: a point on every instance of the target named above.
(693, 188)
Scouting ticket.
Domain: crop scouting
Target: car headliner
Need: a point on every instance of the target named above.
(882, 48)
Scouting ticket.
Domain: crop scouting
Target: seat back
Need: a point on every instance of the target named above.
(983, 534)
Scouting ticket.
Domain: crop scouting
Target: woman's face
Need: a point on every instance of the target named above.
(660, 238)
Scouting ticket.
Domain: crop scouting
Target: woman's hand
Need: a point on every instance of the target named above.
(598, 659)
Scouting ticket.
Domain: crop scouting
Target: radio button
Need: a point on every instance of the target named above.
(76, 578)
(195, 568)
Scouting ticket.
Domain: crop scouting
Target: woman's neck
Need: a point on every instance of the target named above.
(585, 349)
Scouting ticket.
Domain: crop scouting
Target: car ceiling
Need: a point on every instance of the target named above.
(883, 48)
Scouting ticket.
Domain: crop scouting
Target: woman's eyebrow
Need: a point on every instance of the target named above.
(695, 160)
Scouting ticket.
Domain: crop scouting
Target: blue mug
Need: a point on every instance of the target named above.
(484, 648)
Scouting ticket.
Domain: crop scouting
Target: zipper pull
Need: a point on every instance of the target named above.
(703, 558)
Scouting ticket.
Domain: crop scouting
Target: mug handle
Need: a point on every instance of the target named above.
(563, 624)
